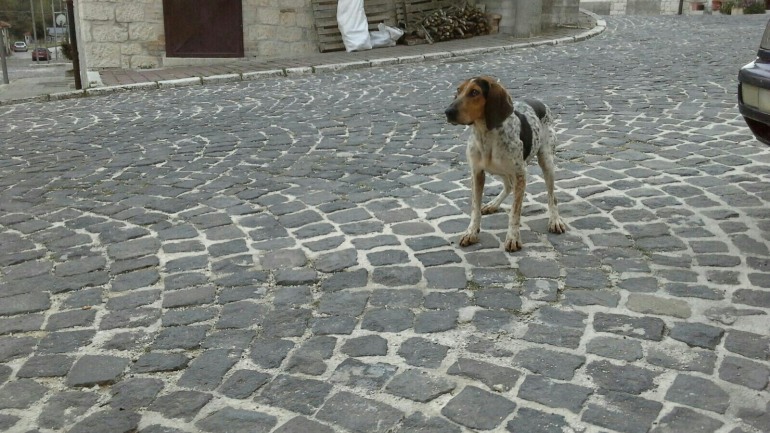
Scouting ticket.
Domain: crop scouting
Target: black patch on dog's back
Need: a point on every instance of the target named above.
(538, 106)
(525, 135)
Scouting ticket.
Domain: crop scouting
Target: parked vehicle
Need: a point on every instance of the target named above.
(754, 91)
(20, 47)
(41, 54)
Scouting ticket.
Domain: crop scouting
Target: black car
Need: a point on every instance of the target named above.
(754, 91)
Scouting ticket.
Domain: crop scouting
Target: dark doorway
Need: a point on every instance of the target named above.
(203, 28)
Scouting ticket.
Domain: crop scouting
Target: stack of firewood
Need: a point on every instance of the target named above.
(454, 23)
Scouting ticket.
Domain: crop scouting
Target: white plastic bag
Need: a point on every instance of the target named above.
(386, 36)
(352, 23)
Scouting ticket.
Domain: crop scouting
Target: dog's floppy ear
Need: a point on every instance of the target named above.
(498, 105)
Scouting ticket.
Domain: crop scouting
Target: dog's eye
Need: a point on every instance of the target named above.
(474, 92)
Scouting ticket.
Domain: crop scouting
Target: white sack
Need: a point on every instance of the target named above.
(386, 36)
(351, 21)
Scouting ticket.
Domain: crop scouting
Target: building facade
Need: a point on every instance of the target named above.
(145, 34)
(642, 7)
(133, 34)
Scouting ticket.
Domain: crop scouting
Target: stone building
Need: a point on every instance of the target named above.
(642, 7)
(4, 26)
(138, 34)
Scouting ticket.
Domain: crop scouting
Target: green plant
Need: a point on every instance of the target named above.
(67, 50)
(753, 6)
(726, 8)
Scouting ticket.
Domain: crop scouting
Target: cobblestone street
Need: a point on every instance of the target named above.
(281, 255)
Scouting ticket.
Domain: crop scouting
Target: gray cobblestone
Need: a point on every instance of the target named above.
(63, 409)
(155, 362)
(180, 404)
(46, 366)
(553, 394)
(648, 328)
(554, 335)
(534, 421)
(24, 303)
(557, 365)
(420, 352)
(419, 386)
(355, 373)
(493, 376)
(371, 345)
(21, 394)
(181, 337)
(624, 378)
(301, 425)
(134, 394)
(96, 370)
(699, 393)
(231, 419)
(388, 320)
(744, 372)
(624, 350)
(697, 334)
(748, 344)
(396, 298)
(322, 249)
(467, 406)
(623, 412)
(270, 352)
(684, 419)
(108, 421)
(358, 414)
(208, 369)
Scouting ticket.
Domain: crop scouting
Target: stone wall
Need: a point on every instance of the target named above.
(130, 33)
(525, 18)
(278, 28)
(560, 12)
(635, 7)
(121, 34)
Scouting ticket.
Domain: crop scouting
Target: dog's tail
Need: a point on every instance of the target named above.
(546, 120)
(542, 111)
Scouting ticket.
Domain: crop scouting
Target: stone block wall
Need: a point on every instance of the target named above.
(635, 7)
(525, 18)
(130, 33)
(560, 12)
(121, 34)
(278, 28)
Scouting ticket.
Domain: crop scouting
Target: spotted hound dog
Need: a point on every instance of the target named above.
(506, 135)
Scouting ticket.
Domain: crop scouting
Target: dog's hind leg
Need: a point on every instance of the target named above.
(545, 160)
(494, 205)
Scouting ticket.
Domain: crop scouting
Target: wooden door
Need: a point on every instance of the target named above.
(203, 28)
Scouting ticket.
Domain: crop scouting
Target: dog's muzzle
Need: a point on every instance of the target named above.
(451, 114)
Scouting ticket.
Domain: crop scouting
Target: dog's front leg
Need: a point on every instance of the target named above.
(513, 238)
(471, 236)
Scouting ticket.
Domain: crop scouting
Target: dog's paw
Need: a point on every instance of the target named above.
(489, 209)
(556, 225)
(512, 244)
(469, 239)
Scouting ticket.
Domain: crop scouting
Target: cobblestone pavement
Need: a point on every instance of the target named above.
(280, 255)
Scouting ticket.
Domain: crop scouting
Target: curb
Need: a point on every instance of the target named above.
(599, 27)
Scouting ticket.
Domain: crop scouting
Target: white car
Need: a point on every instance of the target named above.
(20, 47)
(754, 91)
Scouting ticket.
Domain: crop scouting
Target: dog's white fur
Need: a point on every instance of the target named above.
(500, 151)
